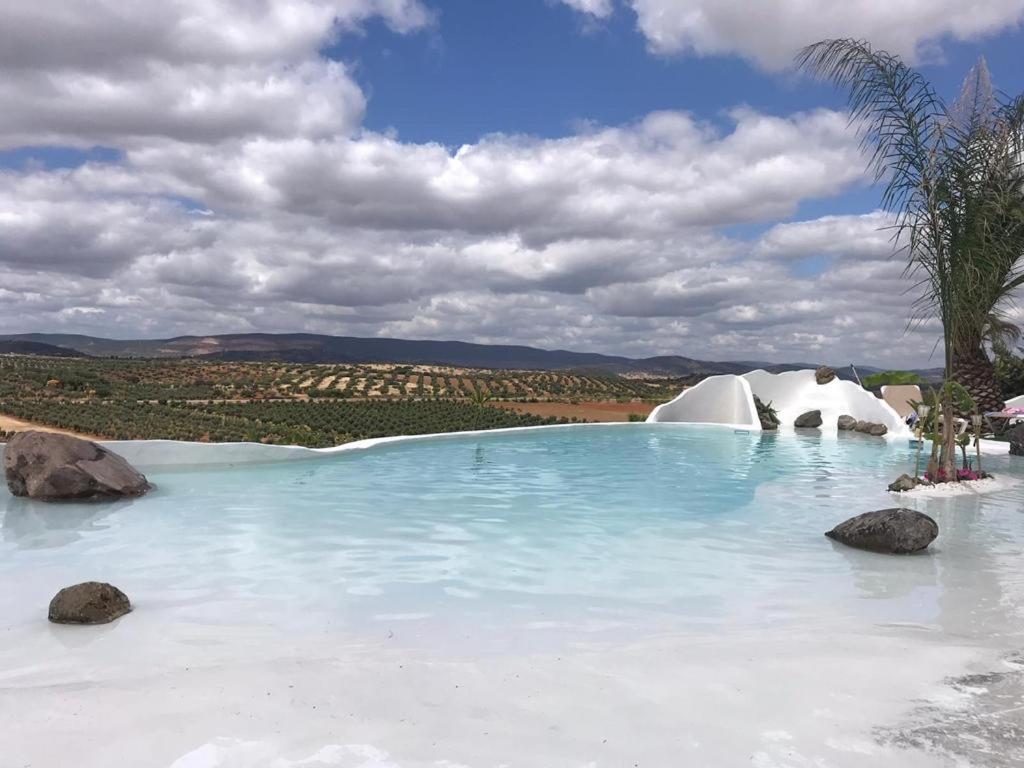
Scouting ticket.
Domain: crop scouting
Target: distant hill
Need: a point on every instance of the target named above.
(314, 348)
(20, 347)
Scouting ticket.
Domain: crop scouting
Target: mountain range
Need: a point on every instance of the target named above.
(316, 348)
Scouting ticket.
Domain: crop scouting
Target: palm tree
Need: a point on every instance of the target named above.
(954, 180)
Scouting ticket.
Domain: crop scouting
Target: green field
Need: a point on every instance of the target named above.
(312, 405)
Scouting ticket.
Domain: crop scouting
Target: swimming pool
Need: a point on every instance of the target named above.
(581, 596)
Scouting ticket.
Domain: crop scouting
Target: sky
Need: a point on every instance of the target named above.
(634, 177)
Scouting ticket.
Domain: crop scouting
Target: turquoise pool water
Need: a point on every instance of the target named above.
(581, 597)
(495, 540)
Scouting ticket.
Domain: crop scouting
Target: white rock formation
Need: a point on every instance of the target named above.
(728, 400)
(725, 400)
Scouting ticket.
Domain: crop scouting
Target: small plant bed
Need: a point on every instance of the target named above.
(905, 483)
(946, 435)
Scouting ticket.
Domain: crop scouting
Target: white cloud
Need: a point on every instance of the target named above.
(599, 9)
(770, 32)
(662, 174)
(121, 73)
(115, 35)
(193, 103)
(869, 236)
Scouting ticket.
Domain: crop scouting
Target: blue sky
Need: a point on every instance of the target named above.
(529, 66)
(628, 176)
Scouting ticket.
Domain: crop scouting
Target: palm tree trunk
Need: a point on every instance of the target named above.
(976, 373)
(947, 456)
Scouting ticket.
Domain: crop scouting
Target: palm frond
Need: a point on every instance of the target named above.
(953, 178)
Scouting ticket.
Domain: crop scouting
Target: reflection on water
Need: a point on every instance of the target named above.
(600, 532)
(34, 525)
(884, 577)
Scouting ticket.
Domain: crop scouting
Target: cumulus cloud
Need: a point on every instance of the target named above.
(868, 236)
(661, 174)
(119, 73)
(770, 32)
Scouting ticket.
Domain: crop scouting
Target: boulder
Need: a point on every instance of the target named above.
(52, 467)
(846, 423)
(809, 420)
(871, 428)
(1016, 437)
(903, 483)
(891, 531)
(89, 603)
(824, 374)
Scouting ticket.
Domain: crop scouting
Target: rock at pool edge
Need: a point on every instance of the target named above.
(890, 531)
(54, 467)
(90, 603)
(809, 420)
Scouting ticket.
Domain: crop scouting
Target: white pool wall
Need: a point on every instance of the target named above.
(728, 400)
(179, 453)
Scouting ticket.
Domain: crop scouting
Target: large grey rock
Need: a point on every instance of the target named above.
(89, 603)
(1016, 437)
(824, 374)
(846, 423)
(51, 467)
(809, 420)
(892, 531)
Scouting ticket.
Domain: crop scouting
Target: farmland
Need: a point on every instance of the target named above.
(308, 404)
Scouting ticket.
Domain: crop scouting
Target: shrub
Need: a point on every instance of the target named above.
(890, 378)
(1009, 373)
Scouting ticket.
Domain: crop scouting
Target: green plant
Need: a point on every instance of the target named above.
(954, 183)
(939, 419)
(890, 378)
(768, 416)
(479, 396)
(1009, 372)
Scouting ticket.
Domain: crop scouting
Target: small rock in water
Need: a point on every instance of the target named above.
(846, 423)
(90, 603)
(903, 483)
(809, 420)
(890, 531)
(871, 428)
(824, 374)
